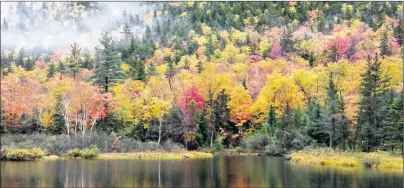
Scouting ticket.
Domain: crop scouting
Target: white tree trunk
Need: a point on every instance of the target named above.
(75, 122)
(160, 126)
(65, 112)
(211, 138)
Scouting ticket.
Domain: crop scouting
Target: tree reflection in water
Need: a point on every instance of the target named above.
(221, 171)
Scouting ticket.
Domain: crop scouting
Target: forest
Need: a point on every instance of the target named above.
(263, 76)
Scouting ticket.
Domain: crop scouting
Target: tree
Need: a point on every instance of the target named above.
(191, 105)
(51, 70)
(286, 41)
(156, 108)
(392, 131)
(385, 49)
(373, 86)
(240, 107)
(199, 66)
(108, 71)
(29, 64)
(20, 58)
(74, 65)
(151, 70)
(332, 117)
(61, 69)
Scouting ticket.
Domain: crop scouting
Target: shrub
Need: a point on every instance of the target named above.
(73, 153)
(22, 154)
(90, 153)
(370, 159)
(274, 148)
(256, 142)
(217, 147)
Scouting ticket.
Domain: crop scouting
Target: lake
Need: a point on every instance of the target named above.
(220, 171)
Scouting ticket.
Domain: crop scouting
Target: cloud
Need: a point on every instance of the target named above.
(60, 24)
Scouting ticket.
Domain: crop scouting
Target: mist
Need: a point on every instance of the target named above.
(56, 25)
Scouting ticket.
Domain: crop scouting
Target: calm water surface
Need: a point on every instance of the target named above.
(220, 171)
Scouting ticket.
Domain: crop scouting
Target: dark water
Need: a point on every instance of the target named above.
(221, 171)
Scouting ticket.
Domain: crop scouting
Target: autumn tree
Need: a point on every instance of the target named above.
(240, 107)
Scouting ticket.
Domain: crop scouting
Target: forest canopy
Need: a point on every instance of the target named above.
(200, 73)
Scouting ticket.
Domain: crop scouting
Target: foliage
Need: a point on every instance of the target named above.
(13, 154)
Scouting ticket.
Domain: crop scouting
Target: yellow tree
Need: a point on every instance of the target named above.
(240, 106)
(126, 96)
(278, 92)
(155, 108)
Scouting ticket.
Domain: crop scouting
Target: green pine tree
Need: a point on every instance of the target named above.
(385, 49)
(373, 86)
(108, 71)
(51, 70)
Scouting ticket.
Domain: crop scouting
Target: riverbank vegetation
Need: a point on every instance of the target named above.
(156, 155)
(13, 154)
(266, 77)
(382, 160)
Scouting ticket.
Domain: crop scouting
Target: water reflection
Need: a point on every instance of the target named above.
(224, 171)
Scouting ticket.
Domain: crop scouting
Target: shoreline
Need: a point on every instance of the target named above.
(382, 161)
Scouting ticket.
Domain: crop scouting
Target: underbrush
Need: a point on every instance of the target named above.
(13, 154)
(61, 144)
(90, 153)
(327, 156)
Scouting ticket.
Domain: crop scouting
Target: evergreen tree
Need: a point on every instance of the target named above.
(141, 73)
(286, 41)
(333, 116)
(221, 112)
(334, 54)
(199, 66)
(373, 86)
(202, 129)
(151, 70)
(147, 35)
(29, 64)
(51, 70)
(127, 34)
(20, 58)
(385, 49)
(108, 71)
(61, 69)
(87, 64)
(392, 131)
(74, 65)
(271, 120)
(186, 63)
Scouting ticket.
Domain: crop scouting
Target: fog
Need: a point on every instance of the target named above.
(56, 25)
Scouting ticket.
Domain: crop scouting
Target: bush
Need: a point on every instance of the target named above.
(90, 153)
(61, 144)
(370, 159)
(256, 142)
(85, 153)
(274, 148)
(217, 147)
(22, 154)
(73, 153)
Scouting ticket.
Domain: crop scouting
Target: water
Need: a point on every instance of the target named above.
(220, 171)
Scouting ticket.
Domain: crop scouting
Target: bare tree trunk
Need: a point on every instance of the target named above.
(160, 126)
(211, 138)
(75, 121)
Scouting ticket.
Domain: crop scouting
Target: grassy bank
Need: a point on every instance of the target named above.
(381, 160)
(156, 155)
